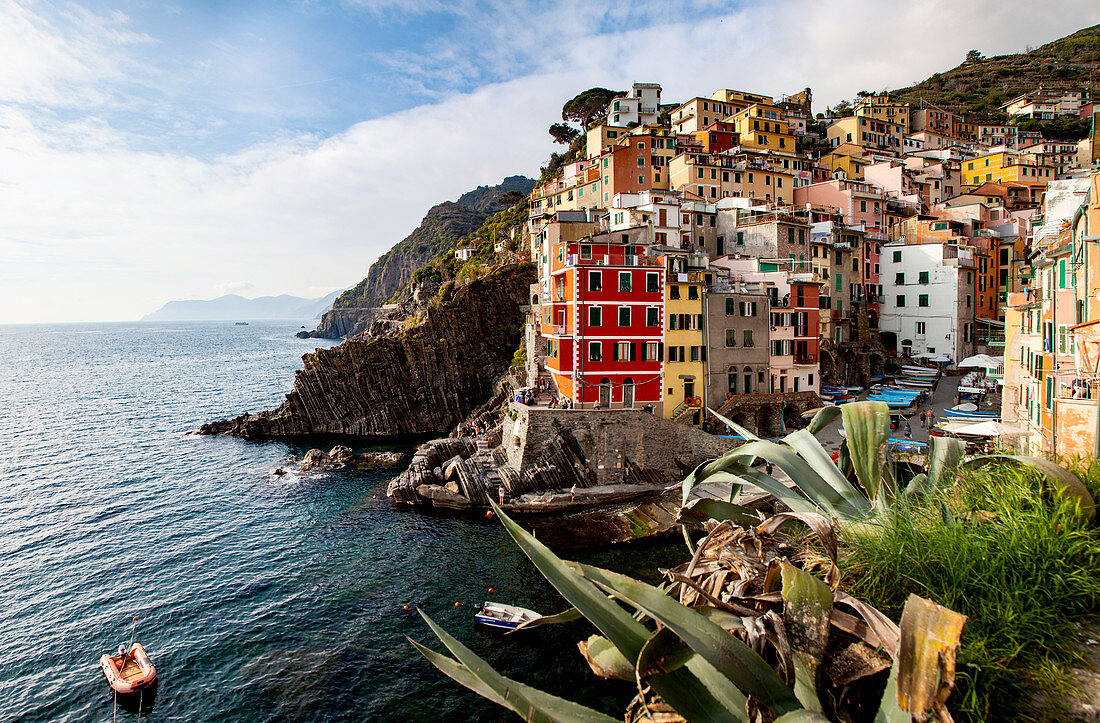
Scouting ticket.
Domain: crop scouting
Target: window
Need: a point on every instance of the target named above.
(899, 279)
(650, 352)
(674, 291)
(595, 281)
(586, 251)
(922, 300)
(652, 316)
(900, 301)
(923, 277)
(748, 308)
(595, 315)
(920, 328)
(594, 351)
(731, 307)
(624, 316)
(624, 281)
(652, 283)
(731, 337)
(623, 351)
(1062, 335)
(697, 353)
(897, 257)
(746, 337)
(693, 292)
(863, 206)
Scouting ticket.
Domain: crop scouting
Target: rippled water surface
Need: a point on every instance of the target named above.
(260, 597)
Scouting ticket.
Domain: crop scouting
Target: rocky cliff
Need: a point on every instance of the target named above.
(422, 379)
(440, 230)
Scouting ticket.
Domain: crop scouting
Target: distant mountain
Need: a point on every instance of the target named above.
(232, 307)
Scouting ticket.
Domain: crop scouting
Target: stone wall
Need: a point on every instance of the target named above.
(423, 379)
(769, 415)
(617, 444)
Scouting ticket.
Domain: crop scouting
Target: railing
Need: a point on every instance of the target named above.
(805, 358)
(557, 330)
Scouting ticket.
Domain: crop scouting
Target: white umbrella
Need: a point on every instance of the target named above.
(984, 429)
(982, 361)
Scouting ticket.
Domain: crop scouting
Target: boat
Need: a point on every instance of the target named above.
(891, 402)
(907, 445)
(130, 672)
(499, 615)
(976, 416)
(914, 384)
(245, 323)
(810, 413)
(914, 371)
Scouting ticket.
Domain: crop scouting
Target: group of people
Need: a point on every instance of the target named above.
(927, 421)
(562, 404)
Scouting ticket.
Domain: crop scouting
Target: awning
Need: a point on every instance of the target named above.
(982, 361)
(984, 429)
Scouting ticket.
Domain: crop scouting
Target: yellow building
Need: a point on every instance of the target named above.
(698, 113)
(713, 176)
(600, 137)
(869, 133)
(763, 126)
(847, 157)
(1002, 166)
(739, 100)
(881, 108)
(685, 348)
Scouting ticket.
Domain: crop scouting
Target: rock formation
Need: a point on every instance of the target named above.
(442, 227)
(317, 460)
(424, 379)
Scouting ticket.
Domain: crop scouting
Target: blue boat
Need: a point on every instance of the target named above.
(906, 445)
(977, 416)
(892, 402)
(508, 617)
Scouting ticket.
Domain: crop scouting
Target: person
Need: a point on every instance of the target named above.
(121, 652)
(573, 492)
(922, 419)
(768, 468)
(500, 493)
(931, 418)
(908, 431)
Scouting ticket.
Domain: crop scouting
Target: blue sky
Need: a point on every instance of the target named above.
(154, 151)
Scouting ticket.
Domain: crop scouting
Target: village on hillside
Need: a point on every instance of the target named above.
(738, 253)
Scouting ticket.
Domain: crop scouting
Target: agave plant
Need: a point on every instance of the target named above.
(731, 657)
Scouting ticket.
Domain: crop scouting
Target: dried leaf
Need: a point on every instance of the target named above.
(930, 636)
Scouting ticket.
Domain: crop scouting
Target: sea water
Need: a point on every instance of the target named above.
(259, 597)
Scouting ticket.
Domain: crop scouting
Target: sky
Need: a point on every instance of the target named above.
(157, 149)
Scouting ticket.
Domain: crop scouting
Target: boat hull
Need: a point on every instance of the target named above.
(130, 674)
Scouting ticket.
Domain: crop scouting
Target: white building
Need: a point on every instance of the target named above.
(929, 299)
(641, 105)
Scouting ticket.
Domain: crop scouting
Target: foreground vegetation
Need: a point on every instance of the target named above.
(763, 625)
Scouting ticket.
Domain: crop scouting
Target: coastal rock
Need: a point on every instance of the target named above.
(340, 456)
(443, 497)
(380, 459)
(315, 459)
(424, 379)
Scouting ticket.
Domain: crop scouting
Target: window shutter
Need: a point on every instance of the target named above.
(614, 352)
(660, 350)
(633, 351)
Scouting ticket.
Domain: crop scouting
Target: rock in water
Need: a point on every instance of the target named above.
(315, 459)
(423, 379)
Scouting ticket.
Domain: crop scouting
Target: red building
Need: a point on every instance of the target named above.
(604, 321)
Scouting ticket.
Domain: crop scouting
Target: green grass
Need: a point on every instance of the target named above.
(1025, 575)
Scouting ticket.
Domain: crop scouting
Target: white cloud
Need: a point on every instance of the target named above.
(91, 228)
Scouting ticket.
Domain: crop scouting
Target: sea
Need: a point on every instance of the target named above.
(259, 597)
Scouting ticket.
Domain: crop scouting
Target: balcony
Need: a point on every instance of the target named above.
(805, 358)
(557, 330)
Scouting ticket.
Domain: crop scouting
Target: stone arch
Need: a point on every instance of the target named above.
(768, 421)
(872, 318)
(745, 420)
(889, 340)
(791, 417)
(877, 363)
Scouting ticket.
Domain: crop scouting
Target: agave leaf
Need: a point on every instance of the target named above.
(739, 663)
(802, 716)
(801, 473)
(735, 426)
(767, 483)
(820, 526)
(1065, 483)
(807, 614)
(867, 430)
(946, 516)
(930, 637)
(947, 452)
(822, 419)
(531, 704)
(885, 629)
(888, 710)
(565, 616)
(605, 659)
(662, 654)
(844, 459)
(811, 450)
(697, 691)
(918, 486)
(701, 510)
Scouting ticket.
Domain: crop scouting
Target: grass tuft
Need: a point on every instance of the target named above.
(1020, 564)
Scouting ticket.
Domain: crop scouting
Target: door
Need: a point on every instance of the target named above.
(628, 393)
(605, 393)
(689, 391)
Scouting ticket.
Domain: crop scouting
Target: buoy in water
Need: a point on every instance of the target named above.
(406, 607)
(488, 513)
(490, 591)
(457, 604)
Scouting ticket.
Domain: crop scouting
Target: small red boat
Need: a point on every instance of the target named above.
(131, 672)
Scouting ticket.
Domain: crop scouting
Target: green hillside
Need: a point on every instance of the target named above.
(980, 85)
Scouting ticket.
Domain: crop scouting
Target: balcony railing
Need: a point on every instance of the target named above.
(558, 330)
(805, 358)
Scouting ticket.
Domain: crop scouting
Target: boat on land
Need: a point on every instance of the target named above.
(906, 445)
(913, 371)
(892, 402)
(976, 416)
(130, 672)
(914, 384)
(508, 617)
